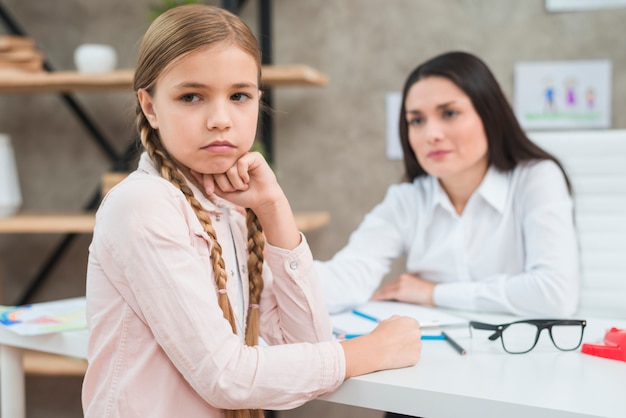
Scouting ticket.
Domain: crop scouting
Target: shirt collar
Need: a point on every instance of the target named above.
(213, 205)
(493, 189)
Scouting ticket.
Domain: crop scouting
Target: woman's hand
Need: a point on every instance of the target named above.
(394, 343)
(408, 288)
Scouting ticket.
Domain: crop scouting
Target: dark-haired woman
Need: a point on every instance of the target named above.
(485, 217)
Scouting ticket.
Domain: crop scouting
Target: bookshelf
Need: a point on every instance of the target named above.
(83, 223)
(71, 81)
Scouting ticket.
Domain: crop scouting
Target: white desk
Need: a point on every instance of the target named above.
(12, 398)
(488, 382)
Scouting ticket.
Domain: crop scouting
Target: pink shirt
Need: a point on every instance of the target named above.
(159, 344)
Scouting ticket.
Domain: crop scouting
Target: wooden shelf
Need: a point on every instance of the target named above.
(48, 223)
(40, 363)
(66, 81)
(292, 75)
(83, 223)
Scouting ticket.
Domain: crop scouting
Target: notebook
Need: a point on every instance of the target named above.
(363, 319)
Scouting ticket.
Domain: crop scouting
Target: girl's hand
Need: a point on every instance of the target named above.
(394, 343)
(249, 183)
(408, 288)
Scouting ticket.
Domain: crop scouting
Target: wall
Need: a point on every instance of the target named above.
(330, 151)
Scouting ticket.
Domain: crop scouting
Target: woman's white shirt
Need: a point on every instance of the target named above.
(513, 249)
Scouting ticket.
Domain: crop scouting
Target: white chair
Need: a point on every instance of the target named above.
(595, 162)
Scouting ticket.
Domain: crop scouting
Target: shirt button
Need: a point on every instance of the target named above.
(293, 265)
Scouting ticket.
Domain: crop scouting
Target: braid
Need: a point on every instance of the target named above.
(256, 245)
(164, 163)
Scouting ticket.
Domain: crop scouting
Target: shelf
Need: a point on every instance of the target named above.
(48, 223)
(66, 81)
(83, 223)
(40, 363)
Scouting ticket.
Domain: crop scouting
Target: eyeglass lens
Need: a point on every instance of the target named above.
(567, 337)
(521, 337)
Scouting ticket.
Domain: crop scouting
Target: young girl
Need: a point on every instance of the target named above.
(485, 218)
(175, 299)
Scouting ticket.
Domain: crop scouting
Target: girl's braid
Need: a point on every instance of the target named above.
(153, 146)
(151, 142)
(256, 245)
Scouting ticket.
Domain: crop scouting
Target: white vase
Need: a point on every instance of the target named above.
(10, 195)
(95, 58)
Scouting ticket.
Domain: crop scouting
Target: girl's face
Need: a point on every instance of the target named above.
(205, 107)
(445, 132)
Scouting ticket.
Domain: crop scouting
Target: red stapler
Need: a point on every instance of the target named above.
(614, 346)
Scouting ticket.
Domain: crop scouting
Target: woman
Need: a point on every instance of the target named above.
(485, 217)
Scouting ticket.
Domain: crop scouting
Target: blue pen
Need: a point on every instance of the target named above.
(434, 337)
(424, 337)
(364, 315)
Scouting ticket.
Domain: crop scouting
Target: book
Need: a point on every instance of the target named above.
(16, 42)
(45, 317)
(364, 318)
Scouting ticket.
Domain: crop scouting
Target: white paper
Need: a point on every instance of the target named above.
(45, 317)
(351, 323)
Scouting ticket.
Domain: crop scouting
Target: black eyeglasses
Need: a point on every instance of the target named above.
(521, 336)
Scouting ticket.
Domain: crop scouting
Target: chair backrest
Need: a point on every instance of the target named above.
(595, 162)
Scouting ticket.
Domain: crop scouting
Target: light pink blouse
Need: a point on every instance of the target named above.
(159, 344)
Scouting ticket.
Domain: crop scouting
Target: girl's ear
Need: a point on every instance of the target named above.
(147, 106)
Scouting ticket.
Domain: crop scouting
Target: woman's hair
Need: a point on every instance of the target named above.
(173, 35)
(507, 144)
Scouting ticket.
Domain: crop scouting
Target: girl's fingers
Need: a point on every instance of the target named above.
(206, 180)
(222, 182)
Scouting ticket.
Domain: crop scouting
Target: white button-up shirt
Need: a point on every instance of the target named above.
(513, 249)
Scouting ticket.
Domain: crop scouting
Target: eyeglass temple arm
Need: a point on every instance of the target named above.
(488, 327)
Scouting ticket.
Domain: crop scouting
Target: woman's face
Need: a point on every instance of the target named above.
(205, 107)
(445, 132)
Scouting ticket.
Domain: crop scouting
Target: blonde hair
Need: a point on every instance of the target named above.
(173, 35)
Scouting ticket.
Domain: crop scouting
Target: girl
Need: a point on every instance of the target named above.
(485, 218)
(175, 299)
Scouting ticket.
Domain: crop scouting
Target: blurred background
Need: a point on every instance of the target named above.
(329, 142)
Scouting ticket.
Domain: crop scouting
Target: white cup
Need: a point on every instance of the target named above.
(10, 195)
(95, 58)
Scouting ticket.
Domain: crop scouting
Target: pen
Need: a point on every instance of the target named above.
(424, 337)
(454, 344)
(364, 315)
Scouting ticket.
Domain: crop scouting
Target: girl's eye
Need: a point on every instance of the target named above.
(189, 98)
(240, 97)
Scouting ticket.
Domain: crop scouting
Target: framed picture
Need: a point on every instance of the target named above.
(573, 5)
(563, 94)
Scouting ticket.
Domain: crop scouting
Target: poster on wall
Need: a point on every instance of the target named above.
(573, 5)
(393, 103)
(563, 94)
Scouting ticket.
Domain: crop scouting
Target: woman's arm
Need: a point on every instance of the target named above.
(353, 274)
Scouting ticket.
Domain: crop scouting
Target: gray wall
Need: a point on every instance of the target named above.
(330, 149)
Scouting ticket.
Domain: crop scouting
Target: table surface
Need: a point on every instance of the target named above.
(487, 382)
